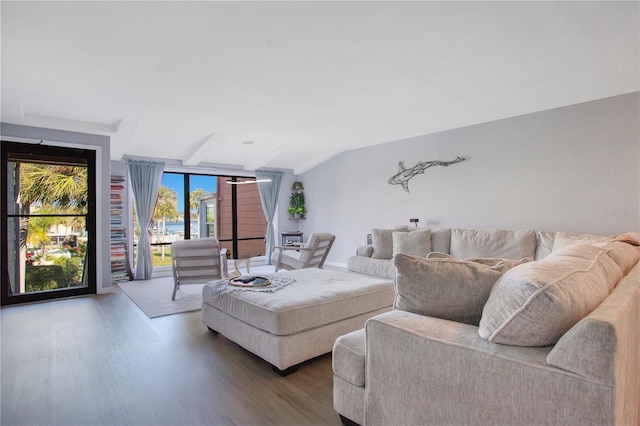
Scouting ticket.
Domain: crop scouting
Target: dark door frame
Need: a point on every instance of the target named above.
(53, 154)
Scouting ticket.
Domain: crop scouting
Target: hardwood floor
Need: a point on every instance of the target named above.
(100, 361)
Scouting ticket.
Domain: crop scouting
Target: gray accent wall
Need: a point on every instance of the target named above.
(99, 143)
(574, 169)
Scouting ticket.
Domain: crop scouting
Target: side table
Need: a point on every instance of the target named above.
(288, 235)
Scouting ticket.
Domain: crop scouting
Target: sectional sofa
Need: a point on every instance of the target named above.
(377, 258)
(497, 327)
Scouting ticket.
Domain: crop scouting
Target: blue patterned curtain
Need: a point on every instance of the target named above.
(145, 177)
(269, 198)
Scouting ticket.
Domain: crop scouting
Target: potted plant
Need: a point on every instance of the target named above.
(296, 205)
(300, 211)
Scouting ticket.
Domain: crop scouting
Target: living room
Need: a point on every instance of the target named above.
(557, 149)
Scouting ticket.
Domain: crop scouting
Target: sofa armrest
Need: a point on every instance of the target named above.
(604, 346)
(426, 370)
(365, 250)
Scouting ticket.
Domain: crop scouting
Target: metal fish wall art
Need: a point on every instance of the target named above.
(404, 174)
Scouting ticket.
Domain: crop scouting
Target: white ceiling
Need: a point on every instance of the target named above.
(302, 81)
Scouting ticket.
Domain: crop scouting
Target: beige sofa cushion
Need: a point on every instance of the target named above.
(544, 246)
(564, 239)
(493, 243)
(383, 268)
(534, 304)
(414, 243)
(447, 288)
(348, 358)
(382, 241)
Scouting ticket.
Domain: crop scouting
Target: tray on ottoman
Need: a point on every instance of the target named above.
(297, 321)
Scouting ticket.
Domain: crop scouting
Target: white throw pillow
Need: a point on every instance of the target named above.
(414, 243)
(534, 304)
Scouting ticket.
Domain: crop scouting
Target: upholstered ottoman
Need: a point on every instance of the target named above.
(299, 321)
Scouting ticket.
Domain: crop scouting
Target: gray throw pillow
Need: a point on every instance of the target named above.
(625, 253)
(414, 243)
(382, 241)
(536, 303)
(441, 240)
(447, 288)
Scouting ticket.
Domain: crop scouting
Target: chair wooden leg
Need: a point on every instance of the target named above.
(175, 289)
(278, 259)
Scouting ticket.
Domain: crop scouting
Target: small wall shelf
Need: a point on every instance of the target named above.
(296, 201)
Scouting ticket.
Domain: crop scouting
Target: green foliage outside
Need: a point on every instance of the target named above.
(65, 272)
(59, 186)
(158, 259)
(38, 228)
(42, 277)
(71, 271)
(166, 209)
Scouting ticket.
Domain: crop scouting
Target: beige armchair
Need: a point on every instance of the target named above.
(310, 255)
(197, 262)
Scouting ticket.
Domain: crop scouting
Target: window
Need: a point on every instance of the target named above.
(231, 213)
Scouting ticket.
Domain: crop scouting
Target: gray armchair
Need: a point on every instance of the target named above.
(197, 262)
(310, 255)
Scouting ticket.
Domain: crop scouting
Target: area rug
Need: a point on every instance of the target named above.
(154, 296)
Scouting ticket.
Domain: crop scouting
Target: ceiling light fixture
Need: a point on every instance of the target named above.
(245, 182)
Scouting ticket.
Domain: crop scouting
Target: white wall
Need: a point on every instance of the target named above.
(573, 169)
(283, 222)
(18, 133)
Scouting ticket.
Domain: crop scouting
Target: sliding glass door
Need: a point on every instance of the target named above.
(193, 206)
(48, 222)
